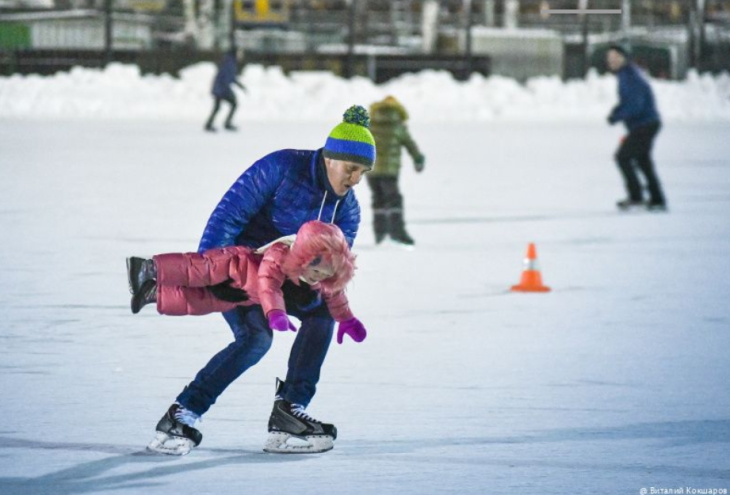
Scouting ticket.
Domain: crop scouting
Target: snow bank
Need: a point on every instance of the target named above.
(122, 92)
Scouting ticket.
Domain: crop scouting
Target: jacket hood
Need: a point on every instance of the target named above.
(388, 110)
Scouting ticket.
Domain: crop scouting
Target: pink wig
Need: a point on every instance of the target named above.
(325, 241)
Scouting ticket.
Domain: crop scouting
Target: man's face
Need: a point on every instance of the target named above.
(343, 176)
(615, 60)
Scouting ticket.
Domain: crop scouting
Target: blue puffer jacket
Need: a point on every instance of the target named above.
(276, 196)
(226, 76)
(636, 107)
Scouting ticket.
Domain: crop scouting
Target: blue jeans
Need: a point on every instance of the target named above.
(253, 339)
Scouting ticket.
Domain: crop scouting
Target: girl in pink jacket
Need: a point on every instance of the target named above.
(317, 255)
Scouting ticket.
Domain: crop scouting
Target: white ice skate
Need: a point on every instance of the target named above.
(292, 431)
(170, 445)
(175, 432)
(280, 442)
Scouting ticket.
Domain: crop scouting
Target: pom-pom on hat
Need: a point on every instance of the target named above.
(351, 140)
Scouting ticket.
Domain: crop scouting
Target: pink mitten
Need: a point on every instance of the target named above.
(278, 321)
(352, 327)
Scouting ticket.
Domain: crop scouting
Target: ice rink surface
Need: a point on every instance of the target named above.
(615, 381)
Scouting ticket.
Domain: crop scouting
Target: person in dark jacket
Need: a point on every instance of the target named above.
(222, 91)
(272, 199)
(391, 136)
(639, 114)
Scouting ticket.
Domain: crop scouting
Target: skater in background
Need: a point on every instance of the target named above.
(391, 134)
(222, 91)
(637, 110)
(317, 255)
(273, 198)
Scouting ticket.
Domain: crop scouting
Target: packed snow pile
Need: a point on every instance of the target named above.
(122, 92)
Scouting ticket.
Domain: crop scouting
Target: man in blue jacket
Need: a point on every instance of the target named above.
(222, 91)
(273, 198)
(638, 112)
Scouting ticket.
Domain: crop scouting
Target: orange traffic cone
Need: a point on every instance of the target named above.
(531, 278)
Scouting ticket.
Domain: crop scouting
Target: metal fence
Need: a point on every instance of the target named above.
(366, 37)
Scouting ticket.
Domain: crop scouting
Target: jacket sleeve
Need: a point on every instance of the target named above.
(271, 279)
(338, 306)
(241, 202)
(229, 69)
(202, 269)
(348, 219)
(407, 141)
(633, 93)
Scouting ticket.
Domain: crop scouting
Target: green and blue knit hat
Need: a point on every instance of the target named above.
(351, 140)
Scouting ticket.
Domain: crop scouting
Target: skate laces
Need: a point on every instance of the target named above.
(186, 416)
(151, 294)
(298, 411)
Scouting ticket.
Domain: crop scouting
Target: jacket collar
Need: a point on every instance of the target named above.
(320, 175)
(628, 68)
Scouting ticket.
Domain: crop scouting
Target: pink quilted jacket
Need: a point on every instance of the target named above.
(182, 279)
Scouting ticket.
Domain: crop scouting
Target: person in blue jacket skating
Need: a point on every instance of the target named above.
(273, 198)
(637, 109)
(222, 91)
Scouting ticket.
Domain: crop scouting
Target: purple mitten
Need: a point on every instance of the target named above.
(352, 327)
(278, 321)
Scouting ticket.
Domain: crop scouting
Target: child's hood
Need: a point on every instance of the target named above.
(387, 111)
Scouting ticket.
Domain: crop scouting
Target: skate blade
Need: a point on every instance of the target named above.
(390, 243)
(404, 247)
(632, 208)
(170, 445)
(129, 277)
(284, 443)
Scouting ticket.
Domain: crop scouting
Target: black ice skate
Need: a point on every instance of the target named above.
(292, 431)
(147, 294)
(398, 233)
(630, 204)
(381, 226)
(657, 207)
(403, 239)
(140, 270)
(175, 432)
